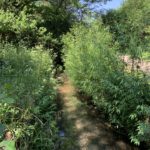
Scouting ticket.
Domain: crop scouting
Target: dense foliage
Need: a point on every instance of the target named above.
(92, 63)
(27, 99)
(40, 22)
(31, 47)
(23, 29)
(30, 32)
(130, 26)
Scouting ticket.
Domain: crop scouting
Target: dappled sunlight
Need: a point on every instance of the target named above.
(88, 132)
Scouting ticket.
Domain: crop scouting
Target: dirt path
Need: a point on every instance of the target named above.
(83, 130)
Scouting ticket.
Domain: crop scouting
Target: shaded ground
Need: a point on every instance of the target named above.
(84, 131)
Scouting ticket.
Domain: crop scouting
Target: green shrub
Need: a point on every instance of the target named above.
(90, 56)
(94, 67)
(23, 28)
(27, 96)
(130, 26)
(128, 106)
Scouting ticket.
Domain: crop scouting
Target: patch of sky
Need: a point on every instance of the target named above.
(112, 4)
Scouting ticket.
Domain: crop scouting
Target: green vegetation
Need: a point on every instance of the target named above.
(9, 145)
(24, 28)
(146, 56)
(130, 26)
(93, 65)
(27, 96)
(38, 37)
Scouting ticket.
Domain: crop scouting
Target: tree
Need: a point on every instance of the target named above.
(40, 21)
(130, 26)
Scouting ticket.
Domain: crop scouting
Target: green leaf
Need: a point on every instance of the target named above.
(8, 145)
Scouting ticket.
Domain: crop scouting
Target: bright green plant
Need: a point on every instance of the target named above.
(89, 53)
(24, 29)
(27, 96)
(8, 145)
(93, 65)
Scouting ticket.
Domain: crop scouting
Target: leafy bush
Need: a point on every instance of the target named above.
(27, 98)
(24, 29)
(94, 67)
(90, 53)
(130, 26)
(128, 105)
